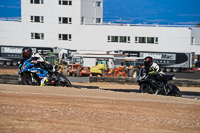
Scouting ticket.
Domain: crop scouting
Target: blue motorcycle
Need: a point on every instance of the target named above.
(32, 74)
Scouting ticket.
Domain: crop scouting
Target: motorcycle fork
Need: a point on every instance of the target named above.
(151, 89)
(32, 78)
(167, 88)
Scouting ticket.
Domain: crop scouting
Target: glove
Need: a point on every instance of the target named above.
(161, 73)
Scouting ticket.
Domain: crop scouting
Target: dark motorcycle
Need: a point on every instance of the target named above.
(30, 74)
(157, 84)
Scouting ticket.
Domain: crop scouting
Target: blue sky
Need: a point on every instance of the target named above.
(132, 11)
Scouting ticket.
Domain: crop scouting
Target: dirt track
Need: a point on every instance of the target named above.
(56, 109)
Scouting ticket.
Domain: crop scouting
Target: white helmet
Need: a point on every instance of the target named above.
(37, 57)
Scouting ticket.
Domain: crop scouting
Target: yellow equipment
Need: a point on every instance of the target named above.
(98, 70)
(52, 58)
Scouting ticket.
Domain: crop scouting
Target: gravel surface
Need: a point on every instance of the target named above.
(56, 109)
(59, 110)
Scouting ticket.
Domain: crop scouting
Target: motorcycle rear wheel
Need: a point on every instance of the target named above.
(64, 82)
(174, 91)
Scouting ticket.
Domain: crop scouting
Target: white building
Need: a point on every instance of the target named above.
(78, 24)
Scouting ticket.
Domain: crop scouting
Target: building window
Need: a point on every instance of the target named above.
(192, 41)
(39, 36)
(37, 2)
(82, 20)
(149, 40)
(136, 39)
(65, 20)
(142, 39)
(120, 39)
(114, 38)
(97, 4)
(39, 19)
(66, 37)
(156, 40)
(65, 2)
(98, 20)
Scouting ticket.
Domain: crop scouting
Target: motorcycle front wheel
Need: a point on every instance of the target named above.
(144, 88)
(27, 80)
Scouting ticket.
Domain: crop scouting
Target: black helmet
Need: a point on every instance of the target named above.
(148, 61)
(26, 52)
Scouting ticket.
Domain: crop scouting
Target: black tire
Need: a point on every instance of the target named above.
(78, 72)
(174, 91)
(64, 82)
(144, 88)
(103, 73)
(168, 69)
(67, 73)
(162, 69)
(160, 91)
(15, 63)
(2, 63)
(133, 73)
(8, 63)
(26, 80)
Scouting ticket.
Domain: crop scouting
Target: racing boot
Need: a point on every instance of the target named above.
(43, 81)
(48, 80)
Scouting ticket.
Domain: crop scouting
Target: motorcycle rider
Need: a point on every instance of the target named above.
(151, 68)
(38, 61)
(26, 54)
(154, 67)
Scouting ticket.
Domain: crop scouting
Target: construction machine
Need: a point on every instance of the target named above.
(128, 68)
(53, 59)
(131, 67)
(76, 68)
(60, 57)
(100, 69)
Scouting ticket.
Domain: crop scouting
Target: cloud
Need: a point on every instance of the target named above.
(193, 15)
(10, 6)
(15, 7)
(187, 23)
(157, 20)
(10, 18)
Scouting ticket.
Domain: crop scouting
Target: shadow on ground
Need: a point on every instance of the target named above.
(185, 94)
